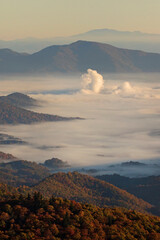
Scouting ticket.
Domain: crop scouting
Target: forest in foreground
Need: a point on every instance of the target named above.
(34, 217)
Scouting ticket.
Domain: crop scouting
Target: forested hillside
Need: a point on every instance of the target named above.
(86, 189)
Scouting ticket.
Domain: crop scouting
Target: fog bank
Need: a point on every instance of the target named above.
(121, 118)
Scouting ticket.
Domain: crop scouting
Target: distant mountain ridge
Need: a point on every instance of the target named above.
(124, 39)
(78, 57)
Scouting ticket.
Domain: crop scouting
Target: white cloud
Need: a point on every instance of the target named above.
(92, 82)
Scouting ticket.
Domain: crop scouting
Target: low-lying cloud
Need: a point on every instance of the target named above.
(94, 83)
(121, 116)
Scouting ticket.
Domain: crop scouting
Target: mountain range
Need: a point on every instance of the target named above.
(123, 39)
(78, 57)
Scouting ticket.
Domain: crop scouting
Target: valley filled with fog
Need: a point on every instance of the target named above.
(121, 118)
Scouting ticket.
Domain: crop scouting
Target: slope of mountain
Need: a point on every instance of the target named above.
(124, 39)
(10, 114)
(12, 61)
(83, 188)
(78, 57)
(33, 217)
(146, 188)
(19, 100)
(22, 173)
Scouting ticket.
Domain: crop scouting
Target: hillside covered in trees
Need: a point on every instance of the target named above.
(32, 217)
(60, 207)
(86, 189)
(73, 186)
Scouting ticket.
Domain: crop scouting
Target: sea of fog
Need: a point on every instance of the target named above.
(121, 111)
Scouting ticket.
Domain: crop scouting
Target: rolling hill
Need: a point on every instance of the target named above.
(83, 188)
(30, 177)
(78, 57)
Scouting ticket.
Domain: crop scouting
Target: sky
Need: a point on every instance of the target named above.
(52, 18)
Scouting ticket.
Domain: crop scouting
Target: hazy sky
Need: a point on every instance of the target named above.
(51, 18)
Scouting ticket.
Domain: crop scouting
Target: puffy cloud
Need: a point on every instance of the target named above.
(92, 82)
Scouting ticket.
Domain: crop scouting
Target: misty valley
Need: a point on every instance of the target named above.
(87, 139)
(100, 119)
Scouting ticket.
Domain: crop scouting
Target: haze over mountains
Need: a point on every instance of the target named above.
(78, 57)
(125, 39)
